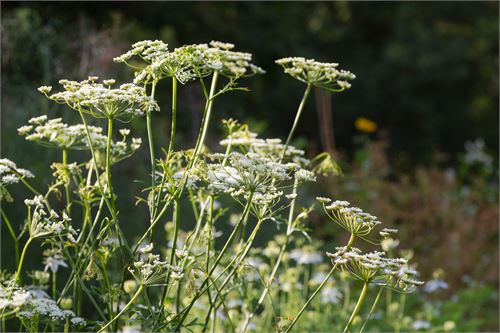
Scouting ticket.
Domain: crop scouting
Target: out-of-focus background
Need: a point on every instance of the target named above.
(416, 135)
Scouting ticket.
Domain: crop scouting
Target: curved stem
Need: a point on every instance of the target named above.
(174, 115)
(21, 261)
(297, 118)
(132, 300)
(357, 307)
(349, 243)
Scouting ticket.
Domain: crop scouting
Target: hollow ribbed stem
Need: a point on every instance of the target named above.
(349, 243)
(132, 300)
(357, 307)
(174, 115)
(297, 118)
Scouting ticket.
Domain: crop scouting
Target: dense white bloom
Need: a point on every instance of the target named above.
(320, 74)
(104, 102)
(10, 173)
(188, 62)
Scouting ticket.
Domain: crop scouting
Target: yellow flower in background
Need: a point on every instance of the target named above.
(365, 125)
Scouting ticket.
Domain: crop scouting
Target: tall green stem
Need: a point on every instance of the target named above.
(269, 282)
(297, 118)
(186, 310)
(108, 159)
(349, 243)
(132, 300)
(357, 307)
(150, 136)
(174, 115)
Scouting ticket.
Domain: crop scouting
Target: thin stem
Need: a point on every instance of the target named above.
(137, 293)
(174, 115)
(66, 185)
(150, 137)
(21, 261)
(12, 233)
(175, 221)
(349, 243)
(297, 118)
(372, 309)
(357, 307)
(269, 282)
(186, 310)
(108, 158)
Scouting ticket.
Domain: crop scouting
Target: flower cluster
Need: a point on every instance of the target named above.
(55, 133)
(102, 101)
(248, 141)
(352, 219)
(43, 224)
(10, 174)
(375, 267)
(249, 174)
(320, 74)
(188, 62)
(150, 269)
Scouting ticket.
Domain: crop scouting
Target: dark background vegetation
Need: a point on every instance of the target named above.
(427, 74)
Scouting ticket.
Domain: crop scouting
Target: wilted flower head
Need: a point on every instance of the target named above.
(320, 74)
(102, 101)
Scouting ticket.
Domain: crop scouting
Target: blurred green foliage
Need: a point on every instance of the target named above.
(427, 72)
